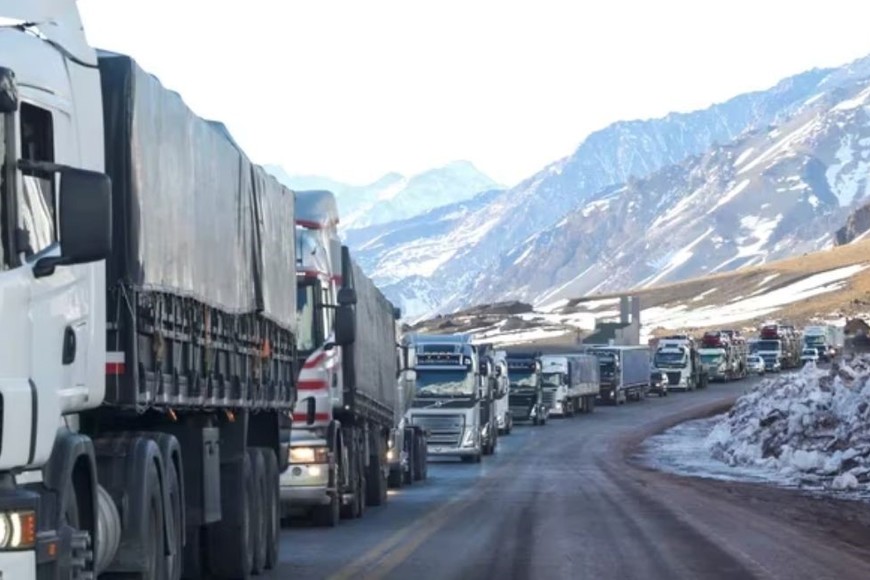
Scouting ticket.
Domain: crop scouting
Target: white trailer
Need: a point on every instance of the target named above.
(571, 383)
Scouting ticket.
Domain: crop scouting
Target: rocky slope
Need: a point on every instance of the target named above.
(856, 226)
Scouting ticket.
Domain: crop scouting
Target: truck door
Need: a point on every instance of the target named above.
(68, 329)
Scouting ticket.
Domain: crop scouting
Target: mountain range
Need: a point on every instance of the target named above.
(394, 197)
(763, 175)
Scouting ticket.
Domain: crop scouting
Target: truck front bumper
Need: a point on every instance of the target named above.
(306, 485)
(448, 451)
(607, 393)
(18, 565)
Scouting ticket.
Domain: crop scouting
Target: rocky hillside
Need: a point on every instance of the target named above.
(760, 176)
(856, 227)
(395, 197)
(830, 285)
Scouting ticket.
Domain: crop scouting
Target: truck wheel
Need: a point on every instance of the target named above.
(327, 516)
(510, 425)
(259, 510)
(408, 474)
(232, 544)
(377, 483)
(396, 478)
(175, 561)
(153, 540)
(420, 459)
(273, 507)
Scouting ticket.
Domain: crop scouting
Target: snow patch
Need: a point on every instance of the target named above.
(743, 157)
(734, 192)
(853, 103)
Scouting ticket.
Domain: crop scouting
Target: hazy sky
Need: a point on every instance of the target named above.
(354, 89)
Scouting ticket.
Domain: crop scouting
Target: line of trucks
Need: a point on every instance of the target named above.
(188, 353)
(724, 355)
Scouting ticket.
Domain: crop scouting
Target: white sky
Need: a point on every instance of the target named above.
(353, 89)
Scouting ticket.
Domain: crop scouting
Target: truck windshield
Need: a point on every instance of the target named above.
(768, 345)
(607, 368)
(711, 359)
(670, 359)
(520, 379)
(445, 383)
(552, 379)
(305, 318)
(814, 340)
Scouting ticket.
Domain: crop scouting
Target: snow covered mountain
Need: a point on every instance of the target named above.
(763, 175)
(394, 196)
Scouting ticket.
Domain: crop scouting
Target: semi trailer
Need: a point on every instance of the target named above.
(724, 355)
(148, 343)
(407, 454)
(454, 399)
(624, 372)
(349, 397)
(571, 383)
(678, 357)
(778, 346)
(526, 399)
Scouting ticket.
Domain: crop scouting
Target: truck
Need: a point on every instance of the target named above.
(502, 411)
(679, 358)
(454, 399)
(624, 372)
(724, 355)
(526, 399)
(571, 383)
(148, 356)
(826, 339)
(347, 349)
(779, 347)
(407, 455)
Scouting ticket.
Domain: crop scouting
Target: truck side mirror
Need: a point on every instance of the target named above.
(8, 91)
(346, 297)
(85, 220)
(345, 325)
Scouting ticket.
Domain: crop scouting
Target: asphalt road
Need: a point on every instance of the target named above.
(567, 500)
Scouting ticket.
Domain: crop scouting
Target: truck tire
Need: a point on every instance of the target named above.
(153, 540)
(273, 509)
(396, 478)
(260, 527)
(408, 475)
(327, 516)
(419, 464)
(377, 483)
(357, 507)
(175, 527)
(231, 548)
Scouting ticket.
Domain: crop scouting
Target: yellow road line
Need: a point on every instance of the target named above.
(378, 561)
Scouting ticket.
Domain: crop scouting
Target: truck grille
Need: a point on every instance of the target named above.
(673, 378)
(548, 398)
(443, 429)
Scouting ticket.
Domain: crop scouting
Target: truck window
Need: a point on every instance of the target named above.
(305, 308)
(36, 200)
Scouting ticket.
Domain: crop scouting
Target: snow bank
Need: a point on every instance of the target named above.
(813, 425)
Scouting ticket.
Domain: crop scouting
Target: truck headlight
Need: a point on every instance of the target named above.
(391, 454)
(17, 530)
(309, 455)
